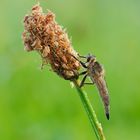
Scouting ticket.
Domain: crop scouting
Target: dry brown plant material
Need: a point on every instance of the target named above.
(44, 35)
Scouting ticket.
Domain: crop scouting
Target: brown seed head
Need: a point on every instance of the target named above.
(43, 34)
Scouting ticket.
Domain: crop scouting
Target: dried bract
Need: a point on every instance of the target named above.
(44, 35)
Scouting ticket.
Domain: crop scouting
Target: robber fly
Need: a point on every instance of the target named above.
(96, 73)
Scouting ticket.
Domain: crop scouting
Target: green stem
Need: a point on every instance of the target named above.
(90, 112)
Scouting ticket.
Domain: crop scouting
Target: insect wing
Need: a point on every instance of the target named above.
(103, 91)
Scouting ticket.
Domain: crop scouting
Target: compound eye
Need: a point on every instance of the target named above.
(88, 58)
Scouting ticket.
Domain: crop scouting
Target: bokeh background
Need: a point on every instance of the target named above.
(39, 105)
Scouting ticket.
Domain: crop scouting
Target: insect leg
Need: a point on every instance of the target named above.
(89, 83)
(83, 80)
(82, 63)
(82, 73)
(82, 56)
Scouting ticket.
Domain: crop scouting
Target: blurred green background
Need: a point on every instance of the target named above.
(39, 105)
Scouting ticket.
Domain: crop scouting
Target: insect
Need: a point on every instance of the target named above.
(95, 71)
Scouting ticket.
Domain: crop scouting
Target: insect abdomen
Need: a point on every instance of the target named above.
(103, 91)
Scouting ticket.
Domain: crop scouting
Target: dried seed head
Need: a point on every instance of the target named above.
(43, 34)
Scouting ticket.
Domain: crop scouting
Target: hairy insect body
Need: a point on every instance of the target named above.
(96, 73)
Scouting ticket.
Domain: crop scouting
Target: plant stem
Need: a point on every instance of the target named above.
(90, 112)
